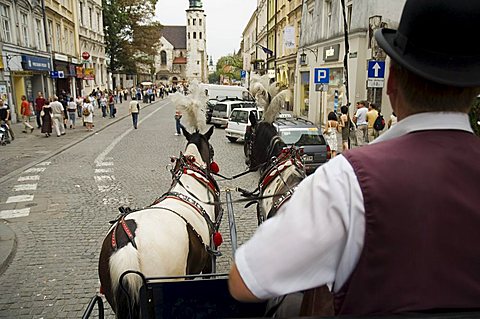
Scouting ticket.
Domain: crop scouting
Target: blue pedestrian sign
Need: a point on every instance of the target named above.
(321, 75)
(243, 74)
(376, 69)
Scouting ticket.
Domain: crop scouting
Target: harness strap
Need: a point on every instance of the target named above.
(127, 231)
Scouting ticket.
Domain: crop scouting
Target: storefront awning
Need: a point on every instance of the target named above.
(180, 60)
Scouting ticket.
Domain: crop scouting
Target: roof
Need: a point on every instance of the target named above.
(176, 35)
(180, 60)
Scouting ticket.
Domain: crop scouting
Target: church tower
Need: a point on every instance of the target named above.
(197, 64)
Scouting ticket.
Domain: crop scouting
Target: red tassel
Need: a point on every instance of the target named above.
(217, 239)
(214, 167)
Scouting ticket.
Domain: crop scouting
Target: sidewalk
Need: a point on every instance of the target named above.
(29, 149)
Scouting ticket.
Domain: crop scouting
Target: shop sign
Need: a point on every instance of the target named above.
(271, 73)
(22, 73)
(289, 37)
(35, 63)
(75, 61)
(61, 57)
(89, 74)
(331, 53)
(71, 70)
(79, 72)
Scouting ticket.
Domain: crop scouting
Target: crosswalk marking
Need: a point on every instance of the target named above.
(28, 178)
(99, 164)
(103, 178)
(44, 163)
(19, 199)
(103, 170)
(13, 213)
(35, 170)
(25, 187)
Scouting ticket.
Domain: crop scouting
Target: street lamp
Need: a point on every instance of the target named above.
(303, 56)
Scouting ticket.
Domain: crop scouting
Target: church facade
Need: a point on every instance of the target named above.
(182, 51)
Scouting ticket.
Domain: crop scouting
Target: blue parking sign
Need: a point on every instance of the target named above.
(321, 75)
(376, 69)
(243, 74)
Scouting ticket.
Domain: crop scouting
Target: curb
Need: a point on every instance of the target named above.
(66, 147)
(8, 243)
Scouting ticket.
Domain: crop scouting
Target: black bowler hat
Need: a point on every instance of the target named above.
(438, 40)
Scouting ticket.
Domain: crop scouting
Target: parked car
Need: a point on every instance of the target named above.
(222, 109)
(238, 122)
(209, 111)
(305, 135)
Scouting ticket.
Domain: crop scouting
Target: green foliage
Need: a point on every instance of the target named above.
(228, 67)
(475, 116)
(130, 33)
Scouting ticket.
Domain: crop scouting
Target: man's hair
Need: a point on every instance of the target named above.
(423, 95)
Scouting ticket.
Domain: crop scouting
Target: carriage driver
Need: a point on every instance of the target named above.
(393, 226)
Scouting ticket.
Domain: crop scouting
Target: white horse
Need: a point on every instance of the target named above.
(173, 237)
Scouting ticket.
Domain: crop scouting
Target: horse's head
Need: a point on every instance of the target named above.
(264, 143)
(199, 147)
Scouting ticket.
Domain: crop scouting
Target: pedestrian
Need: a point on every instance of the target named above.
(134, 108)
(393, 120)
(57, 116)
(39, 103)
(390, 226)
(330, 133)
(345, 126)
(26, 113)
(178, 116)
(72, 112)
(47, 122)
(5, 117)
(360, 119)
(372, 115)
(88, 114)
(79, 102)
(103, 105)
(111, 105)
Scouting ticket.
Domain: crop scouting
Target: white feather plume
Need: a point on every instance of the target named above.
(192, 106)
(276, 105)
(269, 96)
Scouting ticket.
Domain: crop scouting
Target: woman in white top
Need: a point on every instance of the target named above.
(330, 133)
(87, 111)
(72, 112)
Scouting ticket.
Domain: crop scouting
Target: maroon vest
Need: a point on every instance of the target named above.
(422, 237)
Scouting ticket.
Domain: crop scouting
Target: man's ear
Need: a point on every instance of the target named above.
(391, 82)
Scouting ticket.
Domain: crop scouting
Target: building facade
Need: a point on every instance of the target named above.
(26, 62)
(322, 46)
(197, 63)
(92, 45)
(62, 36)
(182, 52)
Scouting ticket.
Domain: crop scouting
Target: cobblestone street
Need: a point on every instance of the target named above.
(53, 272)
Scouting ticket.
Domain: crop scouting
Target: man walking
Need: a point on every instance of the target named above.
(25, 112)
(372, 115)
(360, 119)
(134, 108)
(57, 116)
(39, 103)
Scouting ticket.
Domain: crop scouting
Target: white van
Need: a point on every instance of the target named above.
(239, 121)
(216, 91)
(223, 108)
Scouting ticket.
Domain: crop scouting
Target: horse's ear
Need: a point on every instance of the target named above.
(209, 133)
(253, 118)
(185, 133)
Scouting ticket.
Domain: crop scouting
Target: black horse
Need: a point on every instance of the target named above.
(281, 167)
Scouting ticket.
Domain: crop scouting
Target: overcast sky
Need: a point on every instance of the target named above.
(226, 20)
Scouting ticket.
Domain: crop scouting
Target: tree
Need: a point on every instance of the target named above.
(230, 66)
(131, 35)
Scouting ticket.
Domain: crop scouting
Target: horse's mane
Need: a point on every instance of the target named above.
(261, 148)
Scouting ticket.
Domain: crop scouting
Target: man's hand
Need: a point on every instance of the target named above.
(237, 287)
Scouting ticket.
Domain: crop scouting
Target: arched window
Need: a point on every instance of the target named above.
(163, 58)
(194, 35)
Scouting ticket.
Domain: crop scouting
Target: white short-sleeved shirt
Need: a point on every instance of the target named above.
(361, 116)
(317, 236)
